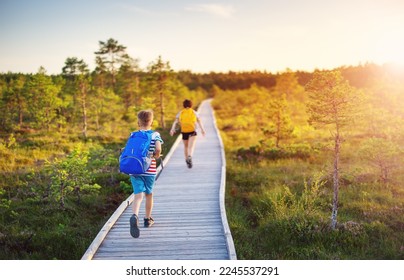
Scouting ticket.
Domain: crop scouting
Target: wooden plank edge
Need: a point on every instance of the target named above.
(92, 249)
(229, 239)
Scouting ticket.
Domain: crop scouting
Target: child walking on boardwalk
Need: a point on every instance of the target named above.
(187, 118)
(143, 184)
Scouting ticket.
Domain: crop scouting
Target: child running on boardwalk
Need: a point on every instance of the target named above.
(143, 184)
(187, 118)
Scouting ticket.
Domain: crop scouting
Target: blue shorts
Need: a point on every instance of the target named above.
(142, 184)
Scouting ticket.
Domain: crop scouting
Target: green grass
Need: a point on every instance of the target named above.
(274, 214)
(32, 223)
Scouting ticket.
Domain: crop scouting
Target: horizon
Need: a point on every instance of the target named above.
(391, 66)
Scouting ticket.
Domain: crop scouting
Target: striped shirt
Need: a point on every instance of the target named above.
(152, 171)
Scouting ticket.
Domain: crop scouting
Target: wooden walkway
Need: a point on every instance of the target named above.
(190, 218)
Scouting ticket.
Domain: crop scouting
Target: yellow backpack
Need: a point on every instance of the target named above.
(187, 120)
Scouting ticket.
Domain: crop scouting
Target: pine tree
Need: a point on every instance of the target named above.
(110, 57)
(44, 100)
(128, 85)
(71, 175)
(279, 117)
(335, 103)
(161, 74)
(14, 102)
(77, 71)
(287, 85)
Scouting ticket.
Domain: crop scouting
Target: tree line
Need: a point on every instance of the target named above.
(359, 76)
(87, 100)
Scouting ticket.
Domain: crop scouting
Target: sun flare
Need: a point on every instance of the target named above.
(390, 49)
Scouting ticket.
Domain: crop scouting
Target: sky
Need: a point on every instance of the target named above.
(202, 35)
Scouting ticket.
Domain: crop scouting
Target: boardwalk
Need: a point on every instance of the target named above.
(190, 219)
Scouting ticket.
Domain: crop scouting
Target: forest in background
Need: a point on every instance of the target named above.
(61, 134)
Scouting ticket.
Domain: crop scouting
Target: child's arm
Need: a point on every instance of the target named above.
(172, 131)
(201, 126)
(157, 151)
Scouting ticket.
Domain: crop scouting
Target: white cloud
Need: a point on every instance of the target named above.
(224, 11)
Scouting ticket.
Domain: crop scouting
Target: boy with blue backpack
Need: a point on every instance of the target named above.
(138, 160)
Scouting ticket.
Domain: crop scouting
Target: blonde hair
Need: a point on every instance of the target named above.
(145, 117)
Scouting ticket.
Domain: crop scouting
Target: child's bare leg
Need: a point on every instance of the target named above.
(136, 203)
(134, 219)
(191, 145)
(186, 142)
(149, 205)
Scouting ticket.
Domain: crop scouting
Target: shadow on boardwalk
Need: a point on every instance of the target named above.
(190, 219)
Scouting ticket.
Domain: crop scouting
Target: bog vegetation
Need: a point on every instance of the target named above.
(314, 160)
(315, 169)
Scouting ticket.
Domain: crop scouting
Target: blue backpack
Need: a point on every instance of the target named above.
(135, 158)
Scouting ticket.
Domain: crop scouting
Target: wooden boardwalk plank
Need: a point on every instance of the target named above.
(190, 220)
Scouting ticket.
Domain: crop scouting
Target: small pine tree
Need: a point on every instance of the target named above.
(280, 124)
(71, 176)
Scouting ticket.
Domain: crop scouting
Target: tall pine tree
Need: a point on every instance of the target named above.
(333, 102)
